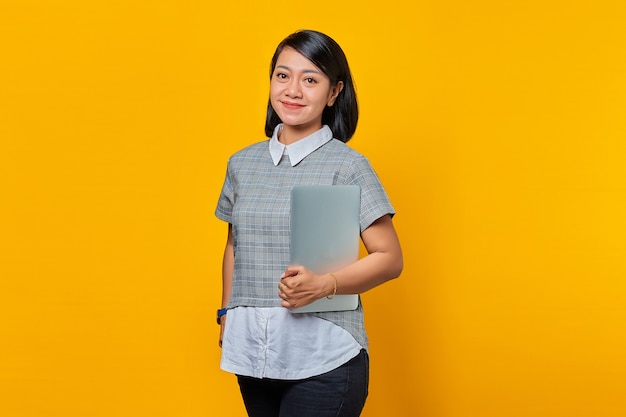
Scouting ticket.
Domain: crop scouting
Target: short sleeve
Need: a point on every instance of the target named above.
(224, 210)
(374, 200)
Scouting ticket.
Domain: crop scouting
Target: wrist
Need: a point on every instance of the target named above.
(221, 312)
(333, 290)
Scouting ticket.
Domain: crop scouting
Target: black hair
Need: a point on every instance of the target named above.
(328, 56)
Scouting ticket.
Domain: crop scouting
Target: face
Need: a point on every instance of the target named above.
(299, 93)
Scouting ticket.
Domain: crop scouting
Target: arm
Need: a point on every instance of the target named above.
(299, 286)
(227, 276)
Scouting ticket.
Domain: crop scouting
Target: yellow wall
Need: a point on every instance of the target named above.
(498, 129)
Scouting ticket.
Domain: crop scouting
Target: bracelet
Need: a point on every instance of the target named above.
(330, 297)
(220, 313)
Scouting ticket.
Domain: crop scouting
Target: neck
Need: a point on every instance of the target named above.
(292, 134)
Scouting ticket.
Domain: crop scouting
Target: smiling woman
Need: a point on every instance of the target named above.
(318, 66)
(312, 112)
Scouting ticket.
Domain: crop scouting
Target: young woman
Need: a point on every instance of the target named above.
(309, 364)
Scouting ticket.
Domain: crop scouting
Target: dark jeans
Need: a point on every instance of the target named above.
(338, 393)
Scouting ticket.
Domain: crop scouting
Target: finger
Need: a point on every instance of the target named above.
(281, 293)
(291, 271)
(291, 283)
(285, 284)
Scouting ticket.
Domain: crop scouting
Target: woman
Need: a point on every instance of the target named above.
(312, 364)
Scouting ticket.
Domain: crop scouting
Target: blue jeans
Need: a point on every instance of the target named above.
(338, 393)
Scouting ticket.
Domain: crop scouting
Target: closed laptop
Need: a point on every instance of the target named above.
(325, 235)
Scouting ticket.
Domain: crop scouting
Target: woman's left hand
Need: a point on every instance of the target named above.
(299, 286)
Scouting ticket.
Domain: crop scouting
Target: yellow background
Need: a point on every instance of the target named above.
(498, 128)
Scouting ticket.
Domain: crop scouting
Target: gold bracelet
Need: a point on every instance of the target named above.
(330, 297)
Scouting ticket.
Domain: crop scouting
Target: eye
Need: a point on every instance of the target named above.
(281, 76)
(310, 80)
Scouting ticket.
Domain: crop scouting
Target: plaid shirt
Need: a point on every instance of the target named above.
(255, 199)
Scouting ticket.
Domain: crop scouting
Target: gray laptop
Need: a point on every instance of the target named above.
(325, 234)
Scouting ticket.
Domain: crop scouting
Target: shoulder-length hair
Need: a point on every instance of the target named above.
(327, 55)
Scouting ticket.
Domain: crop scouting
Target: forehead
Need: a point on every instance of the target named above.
(291, 59)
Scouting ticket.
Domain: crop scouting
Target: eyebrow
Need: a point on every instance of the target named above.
(305, 70)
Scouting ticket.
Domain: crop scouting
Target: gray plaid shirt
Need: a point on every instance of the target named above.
(255, 199)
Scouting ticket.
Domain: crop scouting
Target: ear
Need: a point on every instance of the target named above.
(334, 92)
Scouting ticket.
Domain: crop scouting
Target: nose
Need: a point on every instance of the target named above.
(292, 89)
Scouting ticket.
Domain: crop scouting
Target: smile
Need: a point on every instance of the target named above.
(293, 106)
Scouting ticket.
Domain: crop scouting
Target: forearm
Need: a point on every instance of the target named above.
(383, 262)
(367, 273)
(227, 268)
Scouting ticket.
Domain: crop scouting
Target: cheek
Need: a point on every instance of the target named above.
(323, 99)
(276, 89)
(272, 93)
(274, 97)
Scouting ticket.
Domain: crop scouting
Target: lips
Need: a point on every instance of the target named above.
(292, 106)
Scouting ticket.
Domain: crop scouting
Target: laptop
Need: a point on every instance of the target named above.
(325, 235)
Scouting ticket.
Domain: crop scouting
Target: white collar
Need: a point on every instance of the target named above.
(300, 149)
